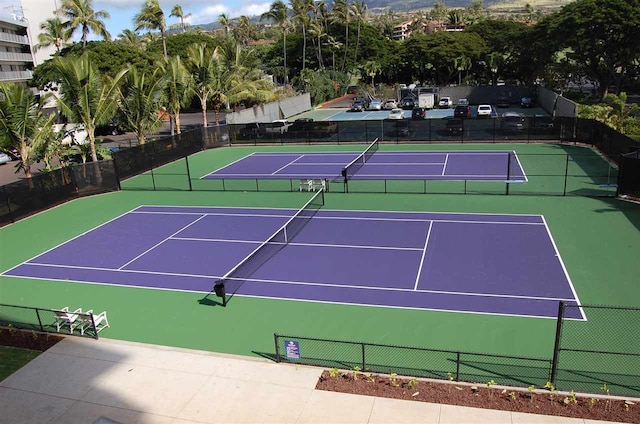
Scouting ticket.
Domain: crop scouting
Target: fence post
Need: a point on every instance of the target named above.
(186, 160)
(363, 359)
(275, 339)
(115, 170)
(566, 172)
(556, 345)
(6, 198)
(39, 320)
(457, 366)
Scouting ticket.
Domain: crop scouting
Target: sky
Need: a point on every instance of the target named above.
(202, 11)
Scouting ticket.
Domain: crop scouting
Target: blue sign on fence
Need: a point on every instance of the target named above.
(292, 349)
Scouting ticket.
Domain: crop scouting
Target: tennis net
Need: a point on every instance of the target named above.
(250, 264)
(353, 167)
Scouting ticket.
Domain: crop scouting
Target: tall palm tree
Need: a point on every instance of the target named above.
(140, 98)
(52, 34)
(244, 31)
(85, 97)
(130, 37)
(152, 17)
(226, 22)
(204, 66)
(23, 124)
(359, 12)
(80, 14)
(317, 32)
(341, 14)
(178, 13)
(278, 13)
(301, 9)
(177, 89)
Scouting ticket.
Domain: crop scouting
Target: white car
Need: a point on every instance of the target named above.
(390, 104)
(445, 103)
(4, 158)
(72, 134)
(375, 104)
(484, 111)
(463, 102)
(279, 126)
(396, 113)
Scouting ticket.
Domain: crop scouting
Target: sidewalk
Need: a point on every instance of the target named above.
(107, 381)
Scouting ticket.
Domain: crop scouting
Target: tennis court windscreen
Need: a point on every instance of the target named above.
(353, 167)
(250, 264)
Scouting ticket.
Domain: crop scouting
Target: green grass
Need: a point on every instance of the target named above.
(13, 358)
(598, 240)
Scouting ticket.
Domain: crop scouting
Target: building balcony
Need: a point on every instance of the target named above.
(15, 76)
(14, 38)
(16, 57)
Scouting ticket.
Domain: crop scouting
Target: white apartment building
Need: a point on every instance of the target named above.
(16, 59)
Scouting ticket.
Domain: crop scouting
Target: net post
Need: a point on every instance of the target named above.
(275, 339)
(566, 172)
(186, 161)
(556, 345)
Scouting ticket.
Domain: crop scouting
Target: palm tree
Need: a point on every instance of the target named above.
(372, 68)
(130, 37)
(317, 32)
(85, 97)
(140, 98)
(23, 124)
(359, 12)
(341, 14)
(80, 14)
(151, 17)
(461, 63)
(278, 13)
(244, 31)
(226, 22)
(204, 65)
(52, 34)
(301, 9)
(439, 11)
(455, 17)
(177, 89)
(178, 13)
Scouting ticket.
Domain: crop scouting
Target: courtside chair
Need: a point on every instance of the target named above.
(65, 318)
(85, 322)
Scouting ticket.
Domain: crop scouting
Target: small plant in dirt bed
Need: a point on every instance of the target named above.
(549, 386)
(356, 371)
(490, 384)
(333, 373)
(531, 390)
(393, 379)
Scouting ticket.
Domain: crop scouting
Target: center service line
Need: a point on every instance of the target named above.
(424, 252)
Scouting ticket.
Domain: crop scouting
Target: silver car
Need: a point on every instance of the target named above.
(4, 158)
(390, 104)
(375, 104)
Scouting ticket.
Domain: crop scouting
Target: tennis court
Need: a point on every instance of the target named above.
(405, 165)
(374, 258)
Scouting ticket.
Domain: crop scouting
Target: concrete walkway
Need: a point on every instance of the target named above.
(107, 381)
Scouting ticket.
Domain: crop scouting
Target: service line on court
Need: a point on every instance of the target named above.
(424, 253)
(290, 163)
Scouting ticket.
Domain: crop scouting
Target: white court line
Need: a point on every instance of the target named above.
(162, 241)
(554, 317)
(350, 218)
(564, 269)
(228, 165)
(339, 246)
(280, 169)
(424, 253)
(389, 153)
(499, 177)
(374, 163)
(444, 168)
(524, 174)
(289, 282)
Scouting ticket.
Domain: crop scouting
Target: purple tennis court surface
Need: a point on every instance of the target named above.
(491, 264)
(407, 165)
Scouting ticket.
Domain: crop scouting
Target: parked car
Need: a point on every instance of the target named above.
(407, 103)
(484, 111)
(4, 158)
(113, 127)
(396, 113)
(462, 111)
(463, 102)
(72, 134)
(445, 103)
(526, 102)
(279, 126)
(454, 126)
(390, 104)
(251, 130)
(352, 89)
(358, 105)
(375, 104)
(419, 113)
(542, 121)
(512, 123)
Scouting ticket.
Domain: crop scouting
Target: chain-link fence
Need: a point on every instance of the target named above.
(600, 354)
(46, 320)
(413, 361)
(26, 197)
(597, 350)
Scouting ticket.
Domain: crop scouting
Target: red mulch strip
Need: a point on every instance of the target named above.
(32, 340)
